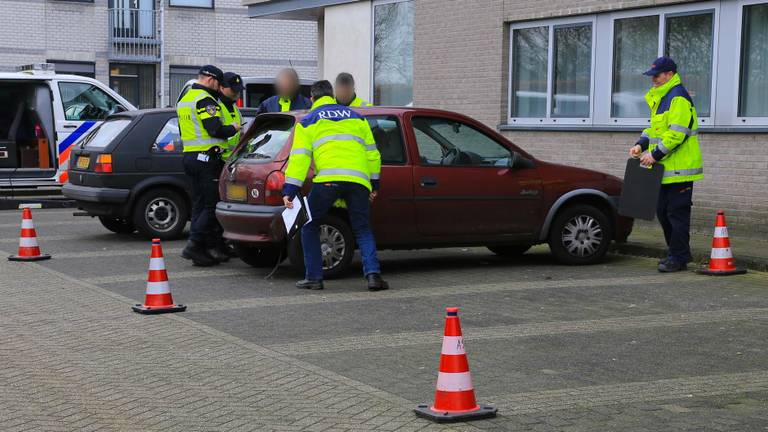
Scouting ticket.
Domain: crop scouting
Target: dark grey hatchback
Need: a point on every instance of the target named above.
(129, 173)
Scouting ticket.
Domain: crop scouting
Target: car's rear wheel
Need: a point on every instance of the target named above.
(161, 213)
(580, 234)
(117, 225)
(509, 250)
(258, 257)
(337, 247)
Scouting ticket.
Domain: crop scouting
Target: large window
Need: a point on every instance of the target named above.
(753, 93)
(552, 71)
(393, 53)
(135, 82)
(587, 70)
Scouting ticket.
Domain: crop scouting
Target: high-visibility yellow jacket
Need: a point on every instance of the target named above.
(357, 102)
(228, 118)
(341, 143)
(194, 136)
(673, 134)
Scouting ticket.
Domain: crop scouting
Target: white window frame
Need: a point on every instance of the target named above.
(728, 17)
(551, 24)
(735, 91)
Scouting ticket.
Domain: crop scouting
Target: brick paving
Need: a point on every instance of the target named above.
(614, 347)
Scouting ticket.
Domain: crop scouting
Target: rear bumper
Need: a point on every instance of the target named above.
(251, 223)
(99, 201)
(96, 194)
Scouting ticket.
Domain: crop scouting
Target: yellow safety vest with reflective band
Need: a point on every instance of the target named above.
(228, 118)
(193, 135)
(357, 102)
(674, 132)
(341, 143)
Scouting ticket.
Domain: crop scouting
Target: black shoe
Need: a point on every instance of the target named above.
(218, 255)
(670, 266)
(663, 260)
(310, 285)
(198, 255)
(376, 283)
(228, 250)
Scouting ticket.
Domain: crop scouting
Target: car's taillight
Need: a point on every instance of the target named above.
(273, 188)
(103, 163)
(240, 102)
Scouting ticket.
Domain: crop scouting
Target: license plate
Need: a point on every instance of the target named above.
(236, 192)
(83, 162)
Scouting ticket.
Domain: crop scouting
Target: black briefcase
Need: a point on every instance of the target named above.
(640, 194)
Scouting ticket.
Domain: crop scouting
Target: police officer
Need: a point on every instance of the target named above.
(346, 165)
(345, 91)
(231, 86)
(204, 136)
(672, 141)
(288, 97)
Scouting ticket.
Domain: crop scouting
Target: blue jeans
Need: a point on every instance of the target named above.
(674, 214)
(321, 199)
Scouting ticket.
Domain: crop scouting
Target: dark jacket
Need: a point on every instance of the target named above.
(272, 104)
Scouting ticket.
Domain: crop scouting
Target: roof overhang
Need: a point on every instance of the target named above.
(303, 10)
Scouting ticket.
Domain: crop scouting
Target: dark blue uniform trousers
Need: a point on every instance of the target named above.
(204, 230)
(674, 214)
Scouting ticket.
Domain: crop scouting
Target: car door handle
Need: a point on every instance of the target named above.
(428, 182)
(68, 126)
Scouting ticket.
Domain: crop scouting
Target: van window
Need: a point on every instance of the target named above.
(83, 101)
(168, 140)
(105, 133)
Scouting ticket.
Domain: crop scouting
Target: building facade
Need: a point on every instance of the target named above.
(562, 79)
(131, 44)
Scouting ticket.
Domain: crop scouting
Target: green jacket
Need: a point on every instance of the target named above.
(672, 137)
(340, 143)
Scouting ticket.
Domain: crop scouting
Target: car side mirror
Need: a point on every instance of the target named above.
(516, 161)
(120, 108)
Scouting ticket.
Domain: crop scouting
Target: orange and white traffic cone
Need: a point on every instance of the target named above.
(455, 396)
(158, 298)
(721, 259)
(29, 250)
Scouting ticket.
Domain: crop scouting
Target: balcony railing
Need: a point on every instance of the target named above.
(134, 35)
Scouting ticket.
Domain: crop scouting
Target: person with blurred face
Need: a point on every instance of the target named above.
(288, 97)
(672, 140)
(345, 91)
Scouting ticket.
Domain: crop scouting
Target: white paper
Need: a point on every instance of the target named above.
(309, 213)
(290, 214)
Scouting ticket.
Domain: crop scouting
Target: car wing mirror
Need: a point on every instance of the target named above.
(517, 161)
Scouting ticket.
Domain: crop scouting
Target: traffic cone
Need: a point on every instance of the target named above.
(158, 298)
(28, 247)
(455, 396)
(721, 259)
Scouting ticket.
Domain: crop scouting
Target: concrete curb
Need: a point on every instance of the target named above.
(699, 257)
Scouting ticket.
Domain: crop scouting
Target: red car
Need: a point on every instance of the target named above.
(446, 181)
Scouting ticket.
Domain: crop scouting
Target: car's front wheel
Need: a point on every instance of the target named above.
(117, 225)
(580, 234)
(161, 213)
(258, 257)
(337, 247)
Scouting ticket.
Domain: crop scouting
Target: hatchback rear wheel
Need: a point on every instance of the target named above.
(580, 234)
(161, 213)
(337, 247)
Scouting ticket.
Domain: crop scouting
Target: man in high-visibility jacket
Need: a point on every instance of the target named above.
(672, 140)
(345, 91)
(231, 86)
(347, 165)
(204, 137)
(288, 97)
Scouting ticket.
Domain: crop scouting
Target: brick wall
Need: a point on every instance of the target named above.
(461, 64)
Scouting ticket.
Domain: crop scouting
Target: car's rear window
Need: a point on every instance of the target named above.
(105, 133)
(268, 138)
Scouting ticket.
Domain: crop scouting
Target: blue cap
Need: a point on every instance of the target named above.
(661, 64)
(233, 81)
(211, 71)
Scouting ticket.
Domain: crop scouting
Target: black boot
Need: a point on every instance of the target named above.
(670, 266)
(376, 283)
(218, 255)
(198, 255)
(310, 285)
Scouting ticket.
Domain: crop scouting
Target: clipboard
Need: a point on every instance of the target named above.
(297, 217)
(640, 194)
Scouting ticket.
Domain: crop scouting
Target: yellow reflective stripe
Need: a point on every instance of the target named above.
(644, 134)
(375, 176)
(301, 151)
(371, 147)
(338, 137)
(662, 148)
(683, 173)
(293, 181)
(343, 171)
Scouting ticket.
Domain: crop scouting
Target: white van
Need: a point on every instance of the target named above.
(42, 115)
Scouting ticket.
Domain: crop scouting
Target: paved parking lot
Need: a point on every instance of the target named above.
(614, 347)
